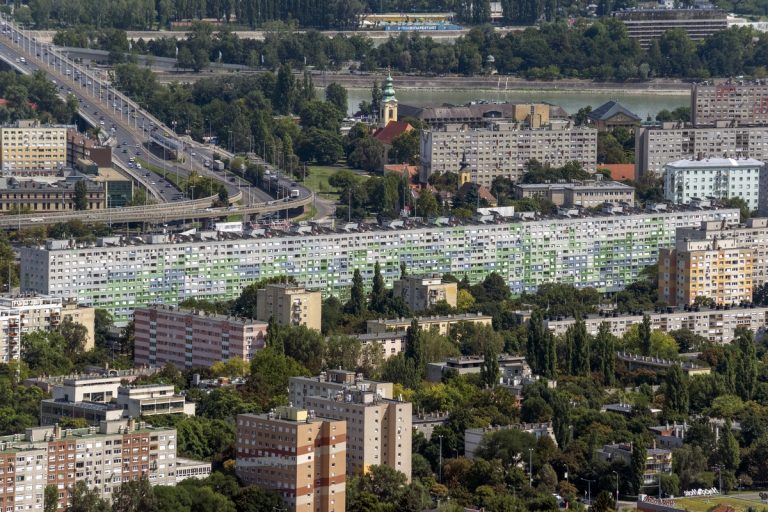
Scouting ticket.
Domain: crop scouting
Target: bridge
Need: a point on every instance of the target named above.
(130, 123)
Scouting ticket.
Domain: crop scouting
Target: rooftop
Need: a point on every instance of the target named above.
(715, 162)
(609, 109)
(442, 318)
(205, 314)
(342, 228)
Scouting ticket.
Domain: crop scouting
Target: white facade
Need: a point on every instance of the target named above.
(655, 147)
(722, 178)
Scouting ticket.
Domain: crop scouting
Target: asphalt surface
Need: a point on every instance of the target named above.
(126, 123)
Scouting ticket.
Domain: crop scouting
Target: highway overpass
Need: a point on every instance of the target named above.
(130, 124)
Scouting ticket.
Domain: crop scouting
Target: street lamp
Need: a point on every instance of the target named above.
(530, 467)
(589, 490)
(617, 488)
(440, 464)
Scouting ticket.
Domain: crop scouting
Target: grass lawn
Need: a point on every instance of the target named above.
(703, 504)
(317, 181)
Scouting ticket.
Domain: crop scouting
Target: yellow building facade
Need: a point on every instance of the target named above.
(30, 149)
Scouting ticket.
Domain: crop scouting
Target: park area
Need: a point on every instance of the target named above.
(739, 502)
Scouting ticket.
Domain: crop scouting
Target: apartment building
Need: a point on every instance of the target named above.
(296, 454)
(645, 25)
(289, 305)
(752, 235)
(603, 251)
(97, 399)
(422, 292)
(28, 313)
(717, 325)
(587, 194)
(743, 102)
(441, 324)
(48, 196)
(503, 148)
(473, 437)
(391, 342)
(657, 146)
(716, 269)
(188, 338)
(104, 457)
(28, 148)
(721, 178)
(658, 460)
(378, 426)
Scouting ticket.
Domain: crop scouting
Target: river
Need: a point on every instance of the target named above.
(641, 103)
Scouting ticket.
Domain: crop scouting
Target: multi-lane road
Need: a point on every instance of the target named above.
(128, 126)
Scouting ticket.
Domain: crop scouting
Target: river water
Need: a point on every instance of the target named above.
(642, 104)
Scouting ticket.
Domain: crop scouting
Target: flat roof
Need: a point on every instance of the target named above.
(716, 162)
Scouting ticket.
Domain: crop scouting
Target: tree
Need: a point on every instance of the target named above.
(603, 503)
(746, 370)
(83, 499)
(285, 91)
(414, 349)
(728, 448)
(405, 148)
(489, 371)
(270, 371)
(134, 496)
(322, 146)
(367, 154)
(676, 393)
(336, 95)
(578, 341)
(80, 199)
(426, 204)
(356, 305)
(637, 465)
(605, 344)
(75, 336)
(50, 498)
(256, 499)
(645, 335)
(378, 297)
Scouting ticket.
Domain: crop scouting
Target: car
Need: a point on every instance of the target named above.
(167, 185)
(101, 123)
(138, 153)
(125, 150)
(147, 174)
(152, 183)
(138, 145)
(193, 153)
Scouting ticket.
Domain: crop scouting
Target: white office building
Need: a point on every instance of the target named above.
(721, 178)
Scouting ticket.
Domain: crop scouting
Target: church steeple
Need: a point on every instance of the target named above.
(389, 101)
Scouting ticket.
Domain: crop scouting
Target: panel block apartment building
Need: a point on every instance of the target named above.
(188, 338)
(503, 148)
(604, 251)
(103, 457)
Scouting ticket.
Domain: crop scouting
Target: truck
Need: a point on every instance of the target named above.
(295, 192)
(218, 165)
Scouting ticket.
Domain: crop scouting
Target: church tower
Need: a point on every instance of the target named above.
(388, 102)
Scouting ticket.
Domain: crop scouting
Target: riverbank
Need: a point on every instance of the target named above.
(503, 84)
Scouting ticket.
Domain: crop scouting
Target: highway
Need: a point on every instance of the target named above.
(128, 126)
